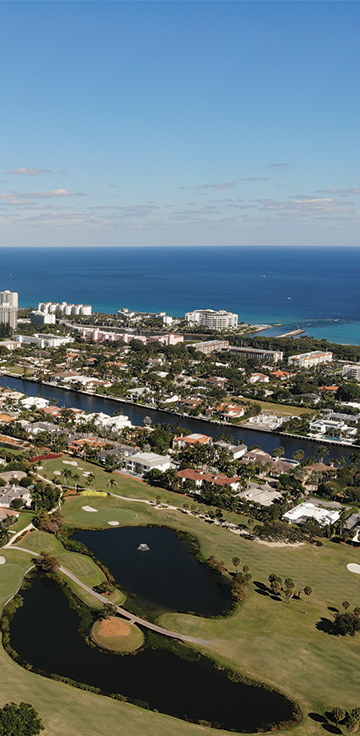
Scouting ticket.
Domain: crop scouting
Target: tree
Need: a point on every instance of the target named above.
(346, 605)
(111, 483)
(147, 421)
(91, 478)
(46, 562)
(108, 610)
(338, 715)
(236, 562)
(322, 452)
(299, 455)
(289, 588)
(76, 478)
(67, 473)
(352, 724)
(279, 451)
(346, 623)
(19, 720)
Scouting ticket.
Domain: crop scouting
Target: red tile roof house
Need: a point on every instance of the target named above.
(190, 440)
(199, 476)
(283, 375)
(191, 403)
(229, 411)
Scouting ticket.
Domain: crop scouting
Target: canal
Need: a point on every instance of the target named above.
(136, 413)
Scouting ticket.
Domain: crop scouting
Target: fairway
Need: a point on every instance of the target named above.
(108, 509)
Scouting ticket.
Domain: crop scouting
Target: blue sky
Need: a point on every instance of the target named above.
(179, 123)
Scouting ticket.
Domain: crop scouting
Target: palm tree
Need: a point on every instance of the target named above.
(111, 483)
(76, 477)
(67, 473)
(91, 478)
(322, 452)
(279, 451)
(299, 455)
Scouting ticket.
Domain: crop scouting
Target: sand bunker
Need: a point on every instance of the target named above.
(353, 567)
(113, 523)
(57, 472)
(114, 627)
(3, 560)
(88, 508)
(70, 462)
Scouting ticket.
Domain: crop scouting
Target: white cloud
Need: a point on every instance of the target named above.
(351, 190)
(29, 172)
(14, 197)
(224, 185)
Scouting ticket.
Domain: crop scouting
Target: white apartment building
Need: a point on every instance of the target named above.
(65, 308)
(42, 318)
(44, 341)
(307, 360)
(9, 302)
(9, 297)
(268, 356)
(352, 371)
(210, 346)
(212, 319)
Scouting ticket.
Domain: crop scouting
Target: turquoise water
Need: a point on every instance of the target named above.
(312, 288)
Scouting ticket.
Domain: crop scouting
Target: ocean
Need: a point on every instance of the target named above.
(311, 288)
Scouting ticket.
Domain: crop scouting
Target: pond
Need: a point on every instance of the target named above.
(163, 578)
(45, 633)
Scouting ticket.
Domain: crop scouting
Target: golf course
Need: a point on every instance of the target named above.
(284, 645)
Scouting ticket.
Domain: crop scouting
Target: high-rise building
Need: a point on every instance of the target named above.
(65, 308)
(214, 320)
(9, 301)
(9, 297)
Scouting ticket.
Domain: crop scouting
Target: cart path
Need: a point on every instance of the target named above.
(122, 611)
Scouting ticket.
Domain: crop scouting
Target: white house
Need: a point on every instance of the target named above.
(304, 511)
(36, 401)
(142, 462)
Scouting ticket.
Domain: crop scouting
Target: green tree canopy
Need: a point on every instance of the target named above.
(19, 720)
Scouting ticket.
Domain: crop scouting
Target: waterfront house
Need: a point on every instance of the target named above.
(190, 440)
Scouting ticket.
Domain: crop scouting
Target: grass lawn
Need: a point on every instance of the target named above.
(267, 407)
(268, 640)
(12, 573)
(23, 521)
(19, 370)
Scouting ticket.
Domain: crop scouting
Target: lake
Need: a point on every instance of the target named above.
(45, 633)
(164, 578)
